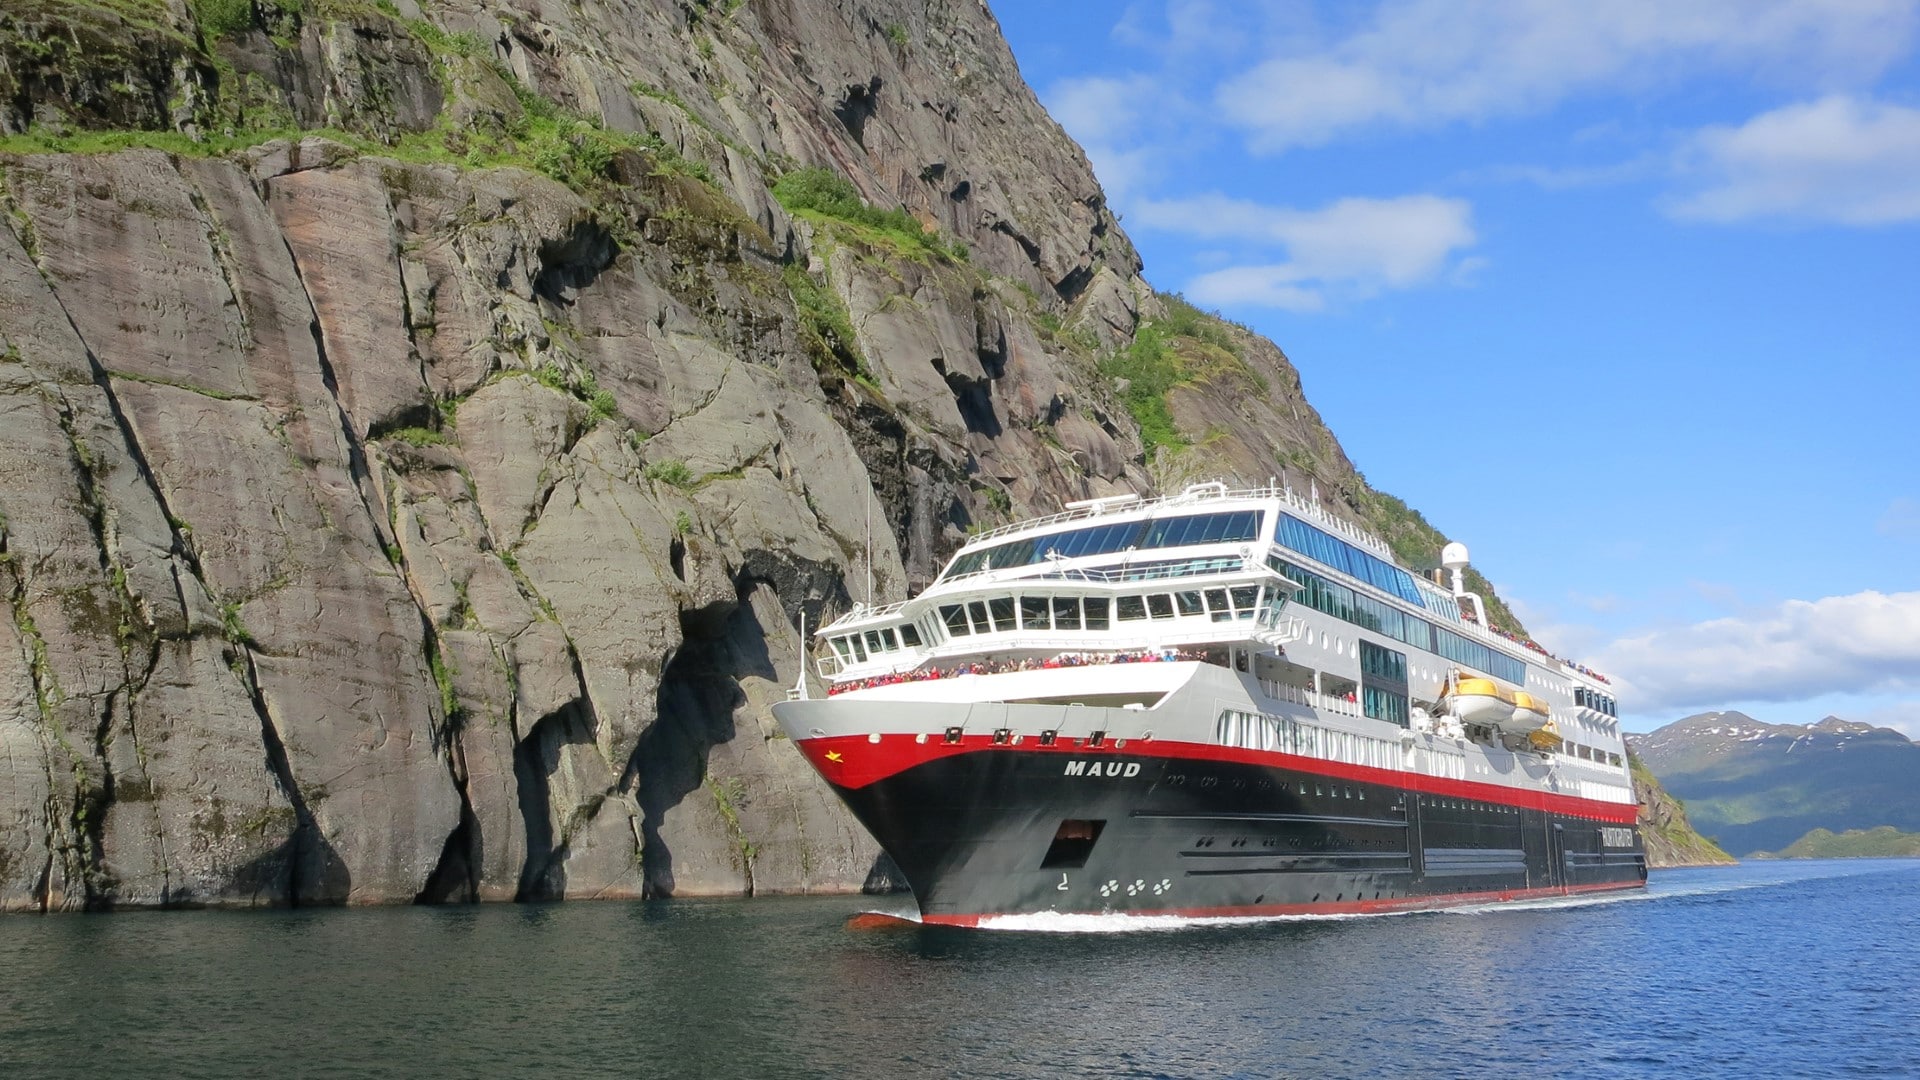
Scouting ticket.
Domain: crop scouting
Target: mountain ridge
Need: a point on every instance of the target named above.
(1759, 787)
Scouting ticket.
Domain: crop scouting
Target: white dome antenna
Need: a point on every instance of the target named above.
(1454, 558)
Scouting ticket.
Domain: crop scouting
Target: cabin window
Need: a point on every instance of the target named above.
(955, 618)
(859, 650)
(1066, 613)
(909, 635)
(1130, 608)
(978, 612)
(1245, 599)
(1033, 613)
(1160, 606)
(1217, 604)
(876, 643)
(1096, 612)
(1189, 602)
(1002, 608)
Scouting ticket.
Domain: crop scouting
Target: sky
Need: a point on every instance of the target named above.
(1624, 296)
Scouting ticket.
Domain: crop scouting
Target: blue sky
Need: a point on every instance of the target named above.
(1625, 296)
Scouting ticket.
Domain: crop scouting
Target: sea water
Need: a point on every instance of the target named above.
(1766, 969)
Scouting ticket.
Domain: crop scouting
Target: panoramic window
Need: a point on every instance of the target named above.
(1315, 544)
(1218, 605)
(1002, 608)
(1066, 613)
(1129, 608)
(1234, 526)
(1034, 613)
(1246, 599)
(978, 612)
(1096, 612)
(955, 618)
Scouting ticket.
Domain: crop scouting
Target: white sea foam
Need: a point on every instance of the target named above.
(1053, 922)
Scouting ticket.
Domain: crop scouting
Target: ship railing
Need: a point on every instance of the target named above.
(1326, 704)
(1194, 568)
(1195, 493)
(1321, 516)
(862, 613)
(1198, 566)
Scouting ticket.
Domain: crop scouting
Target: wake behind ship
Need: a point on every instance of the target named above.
(1217, 703)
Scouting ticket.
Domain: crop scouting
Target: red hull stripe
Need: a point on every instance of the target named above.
(1351, 907)
(852, 761)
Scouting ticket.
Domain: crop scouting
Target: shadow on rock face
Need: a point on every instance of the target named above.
(303, 871)
(544, 877)
(698, 697)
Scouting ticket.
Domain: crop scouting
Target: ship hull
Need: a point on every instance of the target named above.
(981, 830)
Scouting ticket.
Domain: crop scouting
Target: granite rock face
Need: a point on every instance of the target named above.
(385, 518)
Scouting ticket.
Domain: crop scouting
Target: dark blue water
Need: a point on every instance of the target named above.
(1769, 969)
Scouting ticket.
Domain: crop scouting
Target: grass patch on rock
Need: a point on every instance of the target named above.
(1184, 346)
(825, 197)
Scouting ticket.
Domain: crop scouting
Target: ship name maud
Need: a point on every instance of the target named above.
(1103, 768)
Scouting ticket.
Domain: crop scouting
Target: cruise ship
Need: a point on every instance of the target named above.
(1216, 703)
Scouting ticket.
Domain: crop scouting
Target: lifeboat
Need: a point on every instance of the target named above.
(1546, 738)
(1529, 713)
(1479, 701)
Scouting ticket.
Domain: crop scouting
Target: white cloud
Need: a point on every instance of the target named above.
(1351, 247)
(1129, 127)
(1867, 642)
(1099, 108)
(1183, 28)
(1902, 519)
(1841, 159)
(1568, 177)
(1427, 63)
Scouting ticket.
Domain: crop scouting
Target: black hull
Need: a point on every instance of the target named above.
(1013, 832)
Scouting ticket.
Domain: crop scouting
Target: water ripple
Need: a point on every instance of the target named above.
(1777, 969)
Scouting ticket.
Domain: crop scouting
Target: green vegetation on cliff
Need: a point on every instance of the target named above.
(218, 109)
(823, 196)
(1183, 347)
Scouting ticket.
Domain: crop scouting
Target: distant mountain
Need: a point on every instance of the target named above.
(1883, 842)
(1754, 787)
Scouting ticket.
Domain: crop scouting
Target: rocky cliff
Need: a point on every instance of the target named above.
(1670, 838)
(424, 427)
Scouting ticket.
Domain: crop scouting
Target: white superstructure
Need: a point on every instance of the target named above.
(1250, 618)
